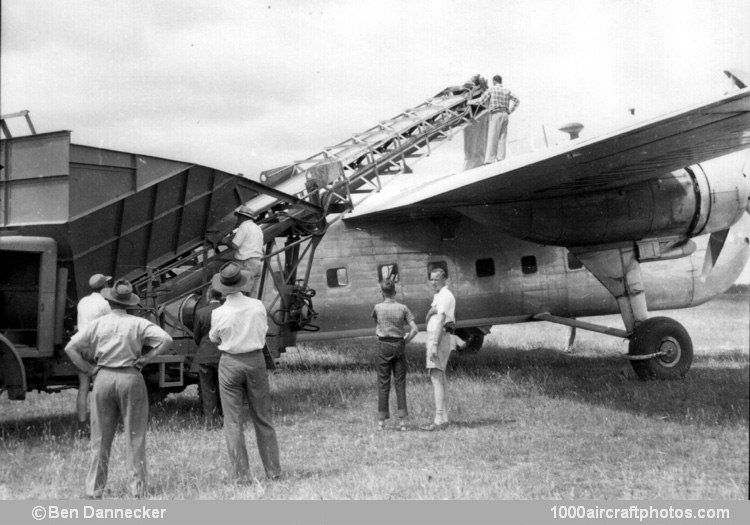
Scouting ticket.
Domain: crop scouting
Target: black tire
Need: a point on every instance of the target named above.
(661, 334)
(474, 338)
(156, 395)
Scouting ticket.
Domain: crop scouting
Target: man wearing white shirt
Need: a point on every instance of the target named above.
(247, 244)
(239, 326)
(89, 308)
(442, 312)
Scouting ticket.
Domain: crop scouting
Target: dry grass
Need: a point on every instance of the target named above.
(529, 422)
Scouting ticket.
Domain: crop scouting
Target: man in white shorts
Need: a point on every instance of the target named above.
(442, 311)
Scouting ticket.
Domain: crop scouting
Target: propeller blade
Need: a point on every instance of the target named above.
(715, 244)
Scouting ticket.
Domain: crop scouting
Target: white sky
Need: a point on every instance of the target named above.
(243, 85)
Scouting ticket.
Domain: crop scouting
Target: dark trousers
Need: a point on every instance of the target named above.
(208, 376)
(118, 393)
(391, 360)
(243, 376)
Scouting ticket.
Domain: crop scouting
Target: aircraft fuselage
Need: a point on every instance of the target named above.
(496, 278)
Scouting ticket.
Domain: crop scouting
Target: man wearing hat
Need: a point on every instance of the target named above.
(89, 308)
(247, 244)
(116, 340)
(207, 359)
(239, 326)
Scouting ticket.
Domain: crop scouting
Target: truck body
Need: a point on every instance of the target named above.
(68, 211)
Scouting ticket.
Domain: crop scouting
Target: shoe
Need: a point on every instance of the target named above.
(401, 426)
(274, 477)
(91, 496)
(381, 425)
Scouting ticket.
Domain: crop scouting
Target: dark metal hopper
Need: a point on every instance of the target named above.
(111, 212)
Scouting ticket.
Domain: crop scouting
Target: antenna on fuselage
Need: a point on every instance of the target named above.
(573, 129)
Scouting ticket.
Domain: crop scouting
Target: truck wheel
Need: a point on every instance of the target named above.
(661, 334)
(155, 394)
(474, 338)
(12, 372)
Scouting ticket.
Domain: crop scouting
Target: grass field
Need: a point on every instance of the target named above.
(529, 421)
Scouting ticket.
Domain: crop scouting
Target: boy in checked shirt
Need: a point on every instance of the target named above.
(392, 320)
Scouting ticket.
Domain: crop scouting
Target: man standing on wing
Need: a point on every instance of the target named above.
(502, 104)
(240, 326)
(442, 312)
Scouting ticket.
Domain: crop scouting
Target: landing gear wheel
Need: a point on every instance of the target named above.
(666, 336)
(474, 338)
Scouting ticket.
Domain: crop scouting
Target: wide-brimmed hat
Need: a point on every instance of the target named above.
(99, 281)
(231, 278)
(121, 293)
(246, 211)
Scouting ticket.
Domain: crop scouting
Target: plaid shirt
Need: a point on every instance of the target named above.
(392, 318)
(500, 99)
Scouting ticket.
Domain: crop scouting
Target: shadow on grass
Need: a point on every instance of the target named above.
(178, 410)
(712, 396)
(482, 422)
(37, 429)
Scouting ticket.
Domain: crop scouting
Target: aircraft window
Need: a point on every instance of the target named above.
(337, 277)
(573, 262)
(528, 264)
(437, 264)
(388, 271)
(485, 267)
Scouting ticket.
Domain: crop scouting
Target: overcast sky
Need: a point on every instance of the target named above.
(245, 85)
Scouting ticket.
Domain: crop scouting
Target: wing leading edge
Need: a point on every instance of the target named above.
(628, 156)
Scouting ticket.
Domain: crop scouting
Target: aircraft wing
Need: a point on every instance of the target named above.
(624, 157)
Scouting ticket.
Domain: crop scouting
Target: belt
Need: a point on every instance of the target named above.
(499, 111)
(244, 352)
(391, 339)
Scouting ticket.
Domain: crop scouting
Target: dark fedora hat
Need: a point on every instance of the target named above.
(121, 293)
(231, 278)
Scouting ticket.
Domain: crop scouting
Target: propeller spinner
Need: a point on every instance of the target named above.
(718, 238)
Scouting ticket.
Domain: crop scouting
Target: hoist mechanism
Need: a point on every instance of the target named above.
(298, 202)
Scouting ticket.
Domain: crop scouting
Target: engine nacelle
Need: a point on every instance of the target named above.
(685, 203)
